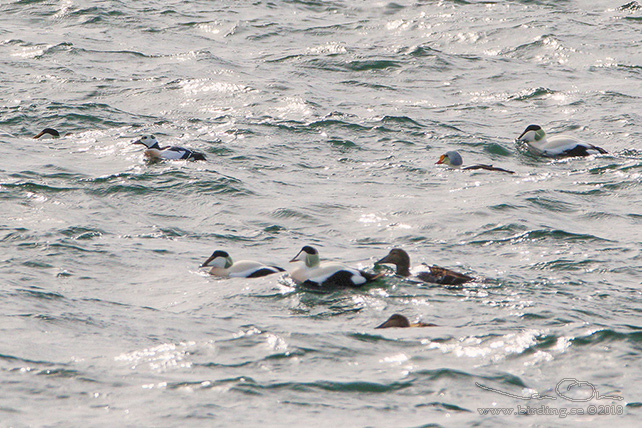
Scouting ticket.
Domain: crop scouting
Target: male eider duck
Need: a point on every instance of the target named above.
(223, 266)
(398, 320)
(454, 160)
(327, 275)
(47, 133)
(558, 145)
(155, 151)
(437, 275)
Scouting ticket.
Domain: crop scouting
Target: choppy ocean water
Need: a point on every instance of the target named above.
(322, 122)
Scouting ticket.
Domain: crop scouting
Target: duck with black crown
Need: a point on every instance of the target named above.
(223, 266)
(556, 146)
(156, 152)
(314, 274)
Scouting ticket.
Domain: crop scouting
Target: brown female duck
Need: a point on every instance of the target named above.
(436, 275)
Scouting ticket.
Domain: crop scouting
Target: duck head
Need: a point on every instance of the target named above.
(396, 320)
(532, 134)
(451, 158)
(309, 255)
(219, 259)
(400, 259)
(47, 133)
(400, 321)
(148, 141)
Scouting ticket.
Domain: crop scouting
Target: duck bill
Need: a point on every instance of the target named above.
(383, 261)
(441, 160)
(207, 262)
(139, 142)
(385, 325)
(390, 323)
(296, 258)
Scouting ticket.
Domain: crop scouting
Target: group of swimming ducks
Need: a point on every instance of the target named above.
(323, 276)
(315, 275)
(534, 137)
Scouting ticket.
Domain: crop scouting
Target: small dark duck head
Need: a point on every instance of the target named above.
(400, 259)
(399, 321)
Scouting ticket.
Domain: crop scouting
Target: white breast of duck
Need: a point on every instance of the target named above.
(559, 145)
(155, 151)
(223, 266)
(317, 274)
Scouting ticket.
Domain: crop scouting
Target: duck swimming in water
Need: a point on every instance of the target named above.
(398, 320)
(223, 266)
(155, 151)
(558, 145)
(454, 160)
(327, 275)
(436, 275)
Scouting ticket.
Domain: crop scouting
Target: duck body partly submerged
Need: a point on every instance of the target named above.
(435, 274)
(556, 146)
(314, 274)
(49, 133)
(223, 266)
(46, 134)
(453, 159)
(156, 152)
